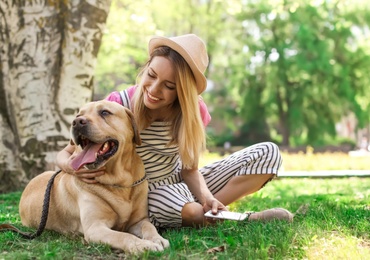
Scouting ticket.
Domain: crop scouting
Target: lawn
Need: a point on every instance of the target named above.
(335, 225)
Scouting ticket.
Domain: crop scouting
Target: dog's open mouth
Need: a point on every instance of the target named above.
(93, 154)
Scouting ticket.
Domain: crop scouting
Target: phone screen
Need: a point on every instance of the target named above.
(226, 215)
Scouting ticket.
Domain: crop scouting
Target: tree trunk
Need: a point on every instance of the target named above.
(48, 51)
(283, 116)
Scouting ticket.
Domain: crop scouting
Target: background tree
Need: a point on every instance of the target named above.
(48, 54)
(306, 63)
(281, 70)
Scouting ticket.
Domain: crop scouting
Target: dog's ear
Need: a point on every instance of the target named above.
(137, 138)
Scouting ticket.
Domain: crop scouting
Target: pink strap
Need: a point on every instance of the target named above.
(116, 97)
(206, 117)
(131, 91)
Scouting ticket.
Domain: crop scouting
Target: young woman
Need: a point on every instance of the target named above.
(171, 117)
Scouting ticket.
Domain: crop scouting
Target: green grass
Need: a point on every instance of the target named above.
(335, 226)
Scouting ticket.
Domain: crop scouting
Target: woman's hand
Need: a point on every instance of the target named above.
(85, 175)
(89, 176)
(213, 204)
(64, 161)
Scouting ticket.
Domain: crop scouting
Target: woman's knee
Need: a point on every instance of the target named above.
(192, 214)
(271, 154)
(271, 148)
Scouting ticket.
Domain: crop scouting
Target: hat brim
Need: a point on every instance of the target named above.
(200, 79)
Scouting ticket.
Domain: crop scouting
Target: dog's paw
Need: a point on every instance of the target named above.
(160, 241)
(144, 245)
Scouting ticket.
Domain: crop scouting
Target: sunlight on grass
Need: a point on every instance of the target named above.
(310, 161)
(324, 161)
(354, 188)
(208, 158)
(337, 247)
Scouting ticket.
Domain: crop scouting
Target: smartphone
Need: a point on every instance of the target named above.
(227, 215)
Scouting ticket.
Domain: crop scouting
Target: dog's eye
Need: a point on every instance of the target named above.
(105, 112)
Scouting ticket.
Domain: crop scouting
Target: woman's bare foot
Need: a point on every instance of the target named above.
(272, 214)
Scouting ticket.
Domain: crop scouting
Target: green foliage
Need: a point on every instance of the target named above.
(279, 70)
(123, 49)
(304, 61)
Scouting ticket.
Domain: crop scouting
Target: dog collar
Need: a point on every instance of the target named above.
(139, 181)
(135, 183)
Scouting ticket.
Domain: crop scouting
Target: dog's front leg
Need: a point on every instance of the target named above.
(146, 230)
(127, 242)
(98, 220)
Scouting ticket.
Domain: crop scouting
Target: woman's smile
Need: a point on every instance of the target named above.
(152, 98)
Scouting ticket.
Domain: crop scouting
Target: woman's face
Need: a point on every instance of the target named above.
(159, 86)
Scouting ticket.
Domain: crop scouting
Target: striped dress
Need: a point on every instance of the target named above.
(167, 191)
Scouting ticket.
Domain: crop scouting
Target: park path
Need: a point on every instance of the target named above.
(326, 173)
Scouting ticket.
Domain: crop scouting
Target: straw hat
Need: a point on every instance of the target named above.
(192, 49)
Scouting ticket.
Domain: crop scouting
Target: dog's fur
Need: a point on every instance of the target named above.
(111, 211)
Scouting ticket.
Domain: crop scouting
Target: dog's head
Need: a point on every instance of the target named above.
(99, 130)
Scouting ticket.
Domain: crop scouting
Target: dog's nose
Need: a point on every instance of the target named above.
(79, 121)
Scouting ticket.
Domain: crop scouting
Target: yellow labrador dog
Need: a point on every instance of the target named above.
(115, 210)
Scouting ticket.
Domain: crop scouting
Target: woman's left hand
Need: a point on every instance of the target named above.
(214, 205)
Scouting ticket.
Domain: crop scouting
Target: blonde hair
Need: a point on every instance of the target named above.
(187, 128)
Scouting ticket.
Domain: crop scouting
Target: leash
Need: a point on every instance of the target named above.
(44, 214)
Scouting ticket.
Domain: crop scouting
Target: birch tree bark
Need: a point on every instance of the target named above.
(48, 51)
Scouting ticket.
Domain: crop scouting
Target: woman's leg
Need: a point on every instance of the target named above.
(240, 186)
(238, 175)
(166, 203)
(192, 215)
(243, 172)
(174, 206)
(234, 177)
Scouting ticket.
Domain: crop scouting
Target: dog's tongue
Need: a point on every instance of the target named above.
(88, 155)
